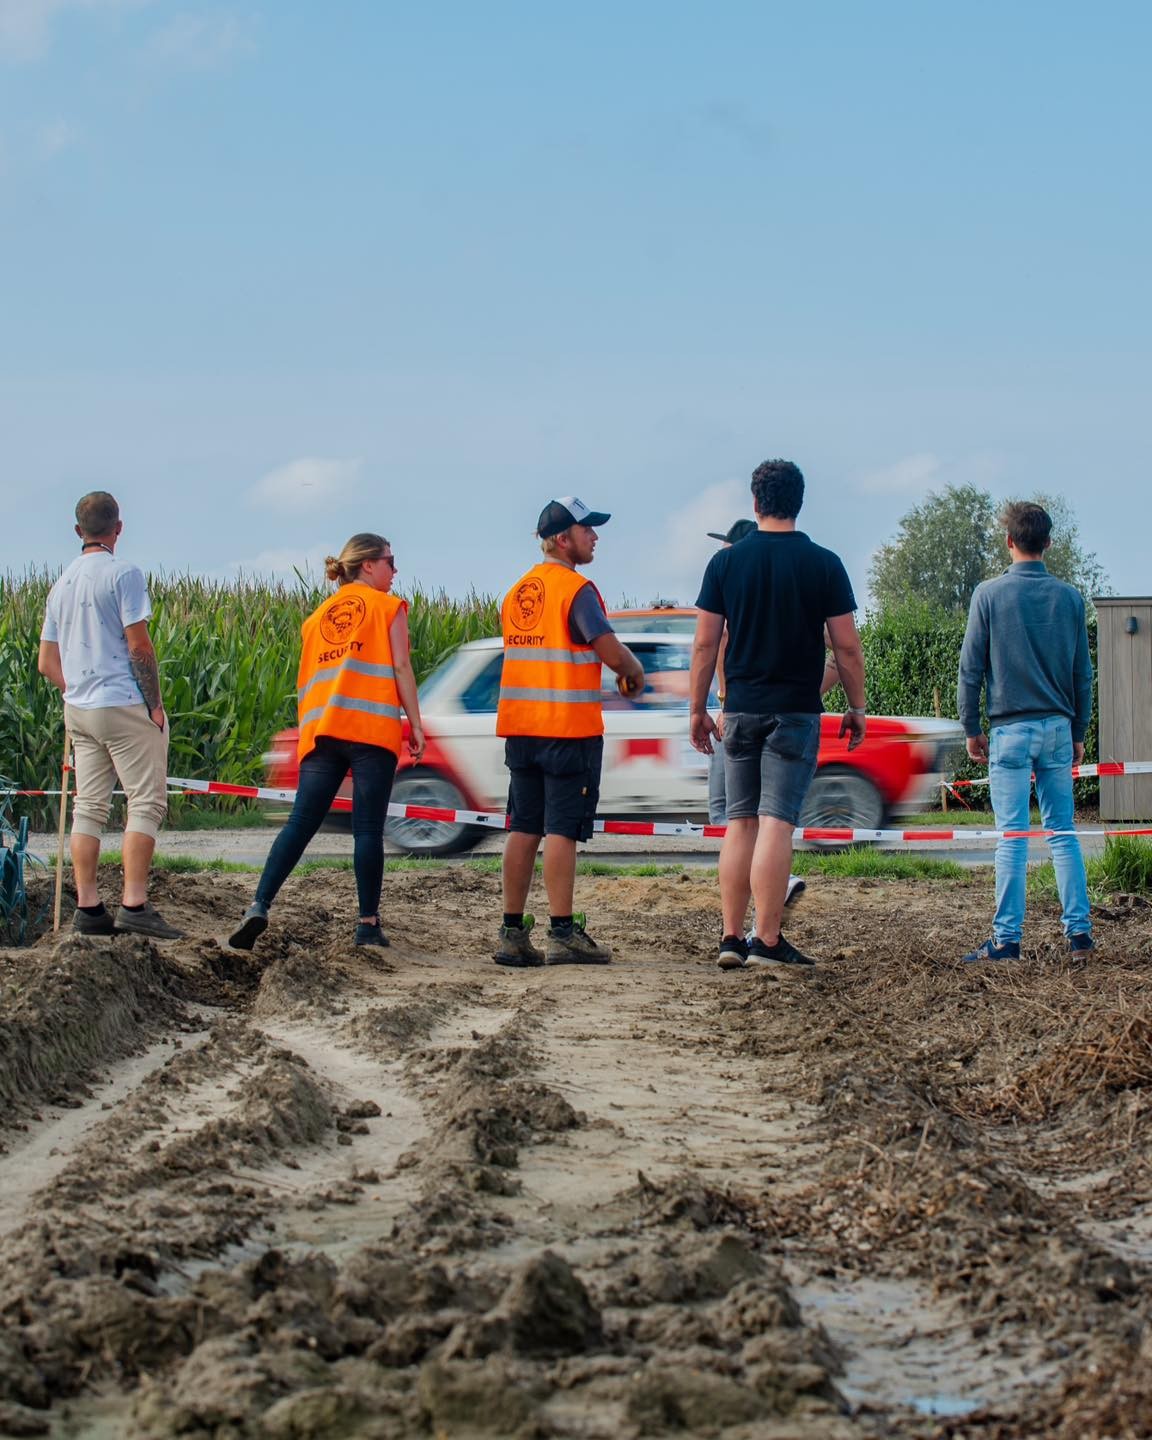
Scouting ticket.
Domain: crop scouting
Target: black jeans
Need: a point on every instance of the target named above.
(322, 773)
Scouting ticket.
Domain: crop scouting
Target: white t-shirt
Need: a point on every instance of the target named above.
(87, 611)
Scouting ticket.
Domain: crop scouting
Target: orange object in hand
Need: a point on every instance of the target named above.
(629, 685)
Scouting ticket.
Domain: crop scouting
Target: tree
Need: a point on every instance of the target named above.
(940, 554)
(951, 541)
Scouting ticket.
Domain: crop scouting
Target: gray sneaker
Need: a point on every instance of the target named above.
(575, 947)
(148, 922)
(101, 924)
(516, 948)
(253, 925)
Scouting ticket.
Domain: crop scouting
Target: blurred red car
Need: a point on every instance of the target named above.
(650, 768)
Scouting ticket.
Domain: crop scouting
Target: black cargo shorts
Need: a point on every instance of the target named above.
(554, 785)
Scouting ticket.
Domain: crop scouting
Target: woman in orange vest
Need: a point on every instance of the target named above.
(355, 676)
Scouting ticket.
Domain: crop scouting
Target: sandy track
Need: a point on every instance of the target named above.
(327, 1195)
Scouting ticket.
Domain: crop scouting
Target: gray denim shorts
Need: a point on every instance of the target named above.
(769, 761)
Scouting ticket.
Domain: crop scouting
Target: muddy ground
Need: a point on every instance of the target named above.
(342, 1193)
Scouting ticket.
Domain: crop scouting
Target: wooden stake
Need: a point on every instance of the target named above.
(64, 773)
(943, 787)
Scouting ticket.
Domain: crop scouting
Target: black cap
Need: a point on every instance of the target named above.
(560, 514)
(737, 531)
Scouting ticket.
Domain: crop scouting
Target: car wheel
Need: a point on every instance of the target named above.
(841, 798)
(429, 837)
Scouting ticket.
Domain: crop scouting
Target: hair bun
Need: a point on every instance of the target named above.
(333, 568)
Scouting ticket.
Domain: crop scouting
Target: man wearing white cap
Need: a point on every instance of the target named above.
(556, 636)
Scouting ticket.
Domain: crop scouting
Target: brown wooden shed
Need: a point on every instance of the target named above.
(1124, 658)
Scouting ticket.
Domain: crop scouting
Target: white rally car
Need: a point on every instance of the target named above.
(650, 768)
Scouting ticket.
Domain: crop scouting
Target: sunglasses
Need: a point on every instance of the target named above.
(389, 560)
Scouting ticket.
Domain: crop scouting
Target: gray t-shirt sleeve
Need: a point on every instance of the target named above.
(586, 618)
(132, 593)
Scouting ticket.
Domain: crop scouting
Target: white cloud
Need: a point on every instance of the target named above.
(685, 548)
(26, 25)
(305, 484)
(913, 473)
(199, 40)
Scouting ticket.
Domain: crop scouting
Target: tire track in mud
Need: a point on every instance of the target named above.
(419, 1195)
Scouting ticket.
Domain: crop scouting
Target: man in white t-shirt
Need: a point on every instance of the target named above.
(96, 649)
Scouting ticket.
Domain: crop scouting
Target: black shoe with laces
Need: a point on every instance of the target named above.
(368, 934)
(733, 953)
(782, 953)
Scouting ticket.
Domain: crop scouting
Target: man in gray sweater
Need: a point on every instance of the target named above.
(1028, 642)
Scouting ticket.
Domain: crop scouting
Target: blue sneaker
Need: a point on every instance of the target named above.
(1010, 950)
(1081, 944)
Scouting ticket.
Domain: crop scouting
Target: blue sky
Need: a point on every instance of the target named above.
(277, 272)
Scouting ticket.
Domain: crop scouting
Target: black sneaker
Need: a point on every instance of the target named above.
(782, 953)
(148, 922)
(368, 935)
(733, 953)
(1081, 944)
(575, 947)
(1010, 950)
(101, 924)
(516, 948)
(253, 925)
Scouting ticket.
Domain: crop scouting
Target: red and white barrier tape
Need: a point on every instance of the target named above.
(497, 821)
(1081, 772)
(826, 834)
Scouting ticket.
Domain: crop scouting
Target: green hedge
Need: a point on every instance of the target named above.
(909, 657)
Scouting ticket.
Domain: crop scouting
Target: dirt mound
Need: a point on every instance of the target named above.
(84, 1002)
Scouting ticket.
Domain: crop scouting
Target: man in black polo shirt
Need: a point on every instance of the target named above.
(776, 591)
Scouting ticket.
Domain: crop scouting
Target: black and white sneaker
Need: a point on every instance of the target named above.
(796, 888)
(782, 953)
(733, 953)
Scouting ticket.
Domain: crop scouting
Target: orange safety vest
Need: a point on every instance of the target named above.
(346, 686)
(550, 686)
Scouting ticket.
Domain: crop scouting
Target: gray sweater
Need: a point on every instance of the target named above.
(1027, 638)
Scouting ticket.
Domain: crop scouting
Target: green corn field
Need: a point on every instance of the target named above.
(228, 656)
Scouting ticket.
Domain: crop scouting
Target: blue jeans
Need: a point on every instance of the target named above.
(322, 773)
(1014, 752)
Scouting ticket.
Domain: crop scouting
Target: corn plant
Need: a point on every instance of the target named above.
(228, 655)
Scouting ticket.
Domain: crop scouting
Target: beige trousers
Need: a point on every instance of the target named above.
(118, 742)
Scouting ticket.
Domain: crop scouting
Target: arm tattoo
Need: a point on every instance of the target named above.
(147, 673)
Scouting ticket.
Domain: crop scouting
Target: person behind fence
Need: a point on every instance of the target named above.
(775, 591)
(95, 647)
(355, 678)
(1026, 646)
(556, 635)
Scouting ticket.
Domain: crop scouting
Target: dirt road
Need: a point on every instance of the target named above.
(330, 1194)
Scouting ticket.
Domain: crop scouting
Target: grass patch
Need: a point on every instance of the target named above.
(867, 863)
(187, 864)
(1125, 868)
(191, 816)
(858, 863)
(947, 820)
